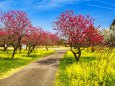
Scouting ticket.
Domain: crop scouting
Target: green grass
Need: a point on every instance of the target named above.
(93, 69)
(9, 66)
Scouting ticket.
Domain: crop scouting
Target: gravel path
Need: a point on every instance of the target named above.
(39, 73)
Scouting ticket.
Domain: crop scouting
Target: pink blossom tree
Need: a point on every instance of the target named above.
(75, 29)
(33, 37)
(15, 24)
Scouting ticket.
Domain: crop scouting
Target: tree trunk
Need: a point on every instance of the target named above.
(65, 44)
(20, 49)
(33, 48)
(79, 53)
(58, 45)
(5, 47)
(46, 47)
(26, 46)
(92, 49)
(14, 53)
(77, 59)
(28, 50)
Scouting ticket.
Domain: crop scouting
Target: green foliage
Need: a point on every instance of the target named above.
(7, 64)
(93, 69)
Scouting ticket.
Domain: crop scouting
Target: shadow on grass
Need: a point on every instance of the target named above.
(14, 59)
(87, 59)
(31, 55)
(66, 61)
(5, 59)
(6, 50)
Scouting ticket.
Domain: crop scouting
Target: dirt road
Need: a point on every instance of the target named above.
(39, 73)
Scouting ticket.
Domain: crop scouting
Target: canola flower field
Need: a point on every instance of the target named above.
(93, 69)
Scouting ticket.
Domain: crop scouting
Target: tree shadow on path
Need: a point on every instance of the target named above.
(49, 61)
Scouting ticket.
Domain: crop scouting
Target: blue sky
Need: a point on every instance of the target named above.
(44, 12)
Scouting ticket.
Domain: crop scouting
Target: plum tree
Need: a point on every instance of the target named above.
(15, 24)
(76, 29)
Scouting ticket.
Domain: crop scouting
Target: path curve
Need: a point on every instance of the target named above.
(39, 73)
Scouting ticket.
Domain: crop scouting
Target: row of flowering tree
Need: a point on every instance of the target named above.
(79, 30)
(16, 29)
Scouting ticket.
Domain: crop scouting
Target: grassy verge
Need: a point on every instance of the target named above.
(8, 66)
(93, 69)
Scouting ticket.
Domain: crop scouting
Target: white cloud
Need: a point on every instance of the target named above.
(4, 5)
(50, 4)
(104, 7)
(11, 5)
(105, 2)
(36, 4)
